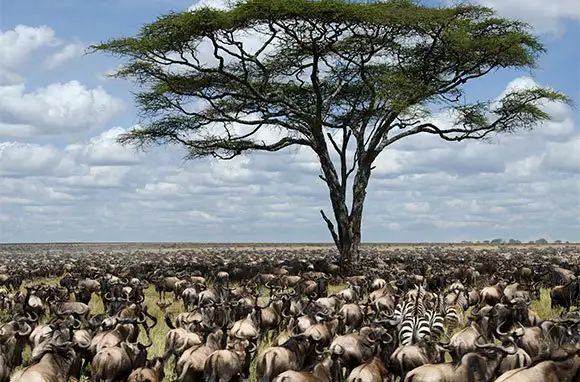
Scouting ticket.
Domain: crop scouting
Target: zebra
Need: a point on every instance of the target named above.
(436, 323)
(415, 321)
(416, 328)
(455, 305)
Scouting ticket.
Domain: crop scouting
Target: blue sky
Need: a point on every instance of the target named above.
(63, 177)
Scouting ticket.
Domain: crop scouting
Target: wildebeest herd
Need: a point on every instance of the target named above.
(423, 314)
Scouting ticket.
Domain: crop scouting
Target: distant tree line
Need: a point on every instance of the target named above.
(499, 241)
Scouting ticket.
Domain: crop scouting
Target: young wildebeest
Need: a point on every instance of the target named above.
(151, 372)
(324, 371)
(230, 364)
(291, 355)
(373, 371)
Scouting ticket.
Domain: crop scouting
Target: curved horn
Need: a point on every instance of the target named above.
(520, 331)
(504, 349)
(83, 346)
(30, 318)
(391, 339)
(27, 330)
(501, 334)
(76, 324)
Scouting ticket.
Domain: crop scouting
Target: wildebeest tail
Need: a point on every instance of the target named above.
(169, 323)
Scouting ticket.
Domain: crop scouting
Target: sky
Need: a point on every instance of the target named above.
(63, 177)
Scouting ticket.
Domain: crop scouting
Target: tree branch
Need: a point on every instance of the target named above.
(331, 229)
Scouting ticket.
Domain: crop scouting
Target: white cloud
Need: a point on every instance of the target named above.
(67, 53)
(19, 159)
(422, 189)
(545, 16)
(215, 4)
(58, 108)
(17, 45)
(103, 150)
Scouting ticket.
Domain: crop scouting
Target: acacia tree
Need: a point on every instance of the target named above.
(343, 79)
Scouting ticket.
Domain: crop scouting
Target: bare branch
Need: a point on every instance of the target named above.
(331, 229)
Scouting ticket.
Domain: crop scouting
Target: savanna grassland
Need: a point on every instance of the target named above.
(218, 256)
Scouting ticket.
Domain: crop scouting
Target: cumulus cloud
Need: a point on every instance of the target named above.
(523, 186)
(67, 53)
(24, 159)
(17, 45)
(57, 108)
(60, 107)
(104, 150)
(545, 16)
(215, 4)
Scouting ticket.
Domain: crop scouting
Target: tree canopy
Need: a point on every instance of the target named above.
(343, 79)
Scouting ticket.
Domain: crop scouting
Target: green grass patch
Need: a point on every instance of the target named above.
(542, 307)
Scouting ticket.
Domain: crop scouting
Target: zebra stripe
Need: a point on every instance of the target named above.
(413, 330)
(436, 323)
(453, 317)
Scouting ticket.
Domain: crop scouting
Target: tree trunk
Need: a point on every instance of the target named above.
(347, 236)
(350, 253)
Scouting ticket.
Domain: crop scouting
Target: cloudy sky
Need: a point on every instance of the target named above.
(63, 177)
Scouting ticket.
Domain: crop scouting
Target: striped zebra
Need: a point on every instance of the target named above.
(454, 315)
(416, 322)
(416, 328)
(413, 329)
(436, 323)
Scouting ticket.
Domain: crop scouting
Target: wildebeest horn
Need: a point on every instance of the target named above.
(252, 347)
(83, 346)
(390, 338)
(27, 330)
(108, 297)
(30, 318)
(76, 324)
(497, 330)
(520, 331)
(496, 346)
(284, 314)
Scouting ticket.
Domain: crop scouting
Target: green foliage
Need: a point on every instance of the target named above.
(323, 65)
(212, 81)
